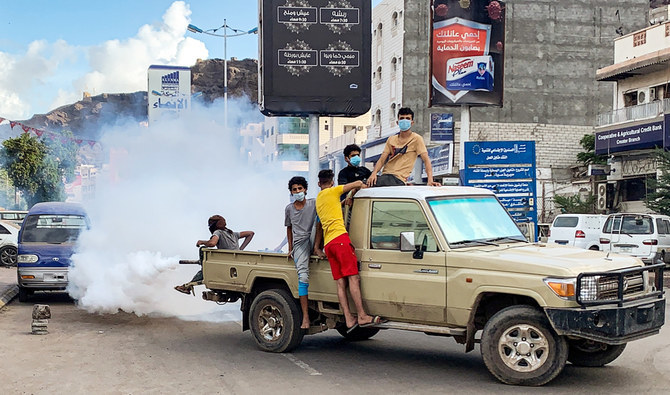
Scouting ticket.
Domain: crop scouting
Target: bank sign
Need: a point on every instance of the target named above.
(508, 169)
(640, 136)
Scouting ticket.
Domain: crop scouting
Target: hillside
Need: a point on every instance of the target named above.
(86, 116)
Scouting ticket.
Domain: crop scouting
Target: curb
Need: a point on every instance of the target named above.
(7, 294)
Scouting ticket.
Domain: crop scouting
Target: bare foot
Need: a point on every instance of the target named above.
(305, 325)
(364, 319)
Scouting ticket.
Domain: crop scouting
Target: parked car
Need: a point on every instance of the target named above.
(577, 230)
(9, 234)
(13, 216)
(46, 243)
(646, 236)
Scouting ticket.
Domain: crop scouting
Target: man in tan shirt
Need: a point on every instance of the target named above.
(401, 150)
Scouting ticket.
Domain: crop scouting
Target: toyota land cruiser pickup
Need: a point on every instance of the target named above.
(450, 261)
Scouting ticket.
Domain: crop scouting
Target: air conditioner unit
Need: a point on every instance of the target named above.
(642, 96)
(601, 196)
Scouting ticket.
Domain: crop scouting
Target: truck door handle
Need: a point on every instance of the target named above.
(374, 266)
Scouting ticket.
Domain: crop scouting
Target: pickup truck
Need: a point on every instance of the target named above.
(450, 261)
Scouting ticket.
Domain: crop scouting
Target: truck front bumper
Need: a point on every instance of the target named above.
(610, 324)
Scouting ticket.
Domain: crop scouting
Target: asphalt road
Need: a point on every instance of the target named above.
(122, 353)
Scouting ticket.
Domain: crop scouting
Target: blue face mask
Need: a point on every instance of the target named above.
(300, 196)
(355, 160)
(404, 124)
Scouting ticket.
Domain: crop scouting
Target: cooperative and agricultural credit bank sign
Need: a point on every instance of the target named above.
(639, 136)
(508, 169)
(169, 91)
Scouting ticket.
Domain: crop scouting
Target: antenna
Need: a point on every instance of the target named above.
(619, 30)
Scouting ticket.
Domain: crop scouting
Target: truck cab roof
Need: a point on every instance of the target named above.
(420, 192)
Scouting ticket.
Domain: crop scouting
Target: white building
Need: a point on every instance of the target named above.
(640, 121)
(335, 133)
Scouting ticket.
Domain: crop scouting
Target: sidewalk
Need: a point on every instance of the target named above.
(8, 287)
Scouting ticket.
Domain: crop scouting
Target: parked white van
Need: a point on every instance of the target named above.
(577, 230)
(646, 236)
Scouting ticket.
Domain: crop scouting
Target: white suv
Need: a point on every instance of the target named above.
(577, 230)
(646, 236)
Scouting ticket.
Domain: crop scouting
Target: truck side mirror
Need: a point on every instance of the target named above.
(407, 241)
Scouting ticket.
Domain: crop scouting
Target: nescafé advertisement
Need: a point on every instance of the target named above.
(467, 52)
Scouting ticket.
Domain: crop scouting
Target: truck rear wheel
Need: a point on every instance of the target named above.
(357, 334)
(519, 347)
(593, 354)
(274, 320)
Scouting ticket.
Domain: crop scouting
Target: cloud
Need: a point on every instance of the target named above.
(121, 66)
(49, 75)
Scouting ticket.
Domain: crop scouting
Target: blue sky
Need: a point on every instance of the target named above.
(51, 51)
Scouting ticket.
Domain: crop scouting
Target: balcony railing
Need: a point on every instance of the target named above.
(634, 113)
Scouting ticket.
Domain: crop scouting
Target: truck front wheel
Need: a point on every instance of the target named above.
(519, 347)
(593, 354)
(274, 320)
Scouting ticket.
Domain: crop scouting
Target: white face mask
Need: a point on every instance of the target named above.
(300, 196)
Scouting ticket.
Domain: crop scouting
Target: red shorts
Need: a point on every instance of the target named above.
(342, 257)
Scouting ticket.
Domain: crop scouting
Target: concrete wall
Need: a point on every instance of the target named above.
(553, 49)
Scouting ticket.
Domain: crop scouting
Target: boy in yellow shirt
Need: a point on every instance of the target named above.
(339, 250)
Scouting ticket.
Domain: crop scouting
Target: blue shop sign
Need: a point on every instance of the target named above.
(648, 135)
(441, 127)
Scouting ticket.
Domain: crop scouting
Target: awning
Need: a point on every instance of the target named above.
(649, 63)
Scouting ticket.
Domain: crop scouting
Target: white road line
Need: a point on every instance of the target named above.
(302, 365)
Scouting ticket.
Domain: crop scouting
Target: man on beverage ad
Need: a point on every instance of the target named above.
(467, 52)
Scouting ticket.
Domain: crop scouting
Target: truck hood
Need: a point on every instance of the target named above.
(542, 259)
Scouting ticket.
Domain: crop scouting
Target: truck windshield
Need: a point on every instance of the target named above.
(52, 229)
(475, 220)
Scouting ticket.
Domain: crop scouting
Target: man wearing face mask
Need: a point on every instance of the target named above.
(223, 239)
(401, 150)
(299, 219)
(354, 171)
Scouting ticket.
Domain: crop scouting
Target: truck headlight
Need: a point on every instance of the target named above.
(27, 258)
(562, 287)
(588, 290)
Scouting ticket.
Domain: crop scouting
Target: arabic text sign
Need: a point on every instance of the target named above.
(508, 169)
(441, 127)
(169, 91)
(441, 160)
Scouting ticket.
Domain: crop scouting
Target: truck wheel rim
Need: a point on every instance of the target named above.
(523, 348)
(271, 323)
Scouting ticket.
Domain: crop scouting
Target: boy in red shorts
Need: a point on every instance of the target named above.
(339, 250)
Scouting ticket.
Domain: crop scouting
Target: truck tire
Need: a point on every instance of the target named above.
(520, 347)
(24, 294)
(274, 320)
(357, 334)
(590, 353)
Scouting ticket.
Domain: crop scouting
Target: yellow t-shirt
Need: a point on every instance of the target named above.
(329, 210)
(402, 157)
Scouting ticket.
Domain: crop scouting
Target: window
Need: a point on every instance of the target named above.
(395, 19)
(632, 224)
(667, 29)
(660, 225)
(566, 222)
(3, 230)
(52, 229)
(389, 219)
(394, 65)
(378, 117)
(640, 38)
(393, 114)
(379, 73)
(630, 99)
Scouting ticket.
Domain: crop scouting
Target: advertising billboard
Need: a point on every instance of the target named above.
(169, 91)
(315, 57)
(508, 169)
(467, 52)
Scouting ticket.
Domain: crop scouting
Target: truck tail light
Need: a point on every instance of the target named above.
(579, 234)
(650, 242)
(604, 240)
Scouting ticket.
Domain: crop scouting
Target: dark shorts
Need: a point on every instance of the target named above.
(389, 180)
(342, 257)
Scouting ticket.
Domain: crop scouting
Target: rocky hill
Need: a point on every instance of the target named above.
(85, 117)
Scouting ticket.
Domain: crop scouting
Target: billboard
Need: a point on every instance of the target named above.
(169, 91)
(315, 57)
(441, 160)
(441, 127)
(508, 169)
(467, 52)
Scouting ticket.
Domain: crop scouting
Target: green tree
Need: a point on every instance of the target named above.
(659, 199)
(575, 204)
(36, 168)
(588, 156)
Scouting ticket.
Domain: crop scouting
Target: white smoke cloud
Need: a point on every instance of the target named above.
(49, 75)
(153, 203)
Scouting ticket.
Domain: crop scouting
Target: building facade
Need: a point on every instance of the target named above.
(552, 51)
(640, 119)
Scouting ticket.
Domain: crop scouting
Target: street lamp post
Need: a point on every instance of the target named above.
(225, 35)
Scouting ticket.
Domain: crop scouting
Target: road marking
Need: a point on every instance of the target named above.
(302, 365)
